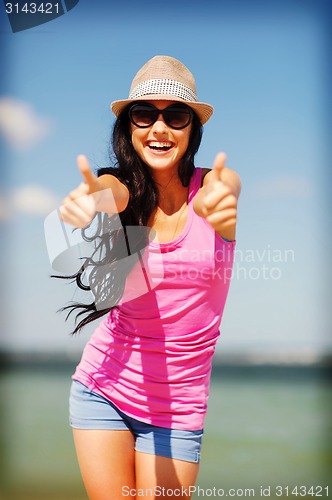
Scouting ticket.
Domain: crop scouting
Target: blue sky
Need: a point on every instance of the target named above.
(263, 66)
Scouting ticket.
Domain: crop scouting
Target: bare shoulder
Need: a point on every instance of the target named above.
(205, 171)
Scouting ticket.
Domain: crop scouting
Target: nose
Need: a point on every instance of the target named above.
(159, 126)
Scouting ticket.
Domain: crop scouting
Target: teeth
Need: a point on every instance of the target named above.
(158, 144)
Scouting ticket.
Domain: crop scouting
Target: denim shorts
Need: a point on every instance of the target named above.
(89, 410)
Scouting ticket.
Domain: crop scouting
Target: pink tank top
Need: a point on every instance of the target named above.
(152, 355)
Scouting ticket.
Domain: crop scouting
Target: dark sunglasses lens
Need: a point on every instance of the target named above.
(143, 116)
(178, 117)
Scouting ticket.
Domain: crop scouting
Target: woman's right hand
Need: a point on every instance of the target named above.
(80, 206)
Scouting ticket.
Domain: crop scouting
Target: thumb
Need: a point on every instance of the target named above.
(218, 166)
(89, 177)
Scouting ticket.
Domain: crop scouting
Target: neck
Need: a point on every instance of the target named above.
(172, 198)
(164, 180)
(171, 193)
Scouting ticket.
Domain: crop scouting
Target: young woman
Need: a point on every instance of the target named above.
(139, 395)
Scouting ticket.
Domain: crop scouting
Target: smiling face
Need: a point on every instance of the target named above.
(160, 146)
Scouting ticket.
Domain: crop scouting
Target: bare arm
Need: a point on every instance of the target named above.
(216, 201)
(95, 194)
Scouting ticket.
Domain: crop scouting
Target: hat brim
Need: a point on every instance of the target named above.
(202, 109)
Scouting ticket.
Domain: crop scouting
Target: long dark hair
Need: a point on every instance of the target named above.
(104, 273)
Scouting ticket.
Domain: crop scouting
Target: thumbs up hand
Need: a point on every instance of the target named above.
(80, 206)
(89, 177)
(217, 199)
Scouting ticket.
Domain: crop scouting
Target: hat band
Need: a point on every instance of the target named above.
(163, 87)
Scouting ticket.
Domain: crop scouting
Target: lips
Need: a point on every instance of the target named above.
(160, 145)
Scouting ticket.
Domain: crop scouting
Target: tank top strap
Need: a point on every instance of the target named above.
(195, 183)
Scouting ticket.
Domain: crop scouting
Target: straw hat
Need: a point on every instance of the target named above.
(165, 78)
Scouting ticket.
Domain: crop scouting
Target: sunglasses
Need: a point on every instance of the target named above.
(176, 116)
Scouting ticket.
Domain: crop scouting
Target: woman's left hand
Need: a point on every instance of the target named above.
(217, 200)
